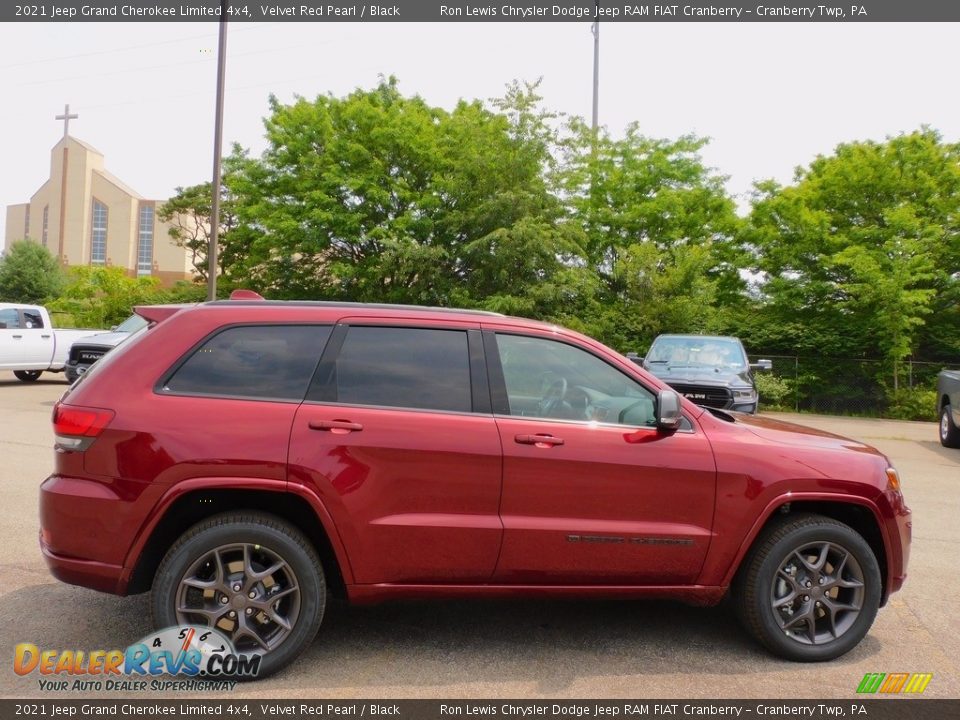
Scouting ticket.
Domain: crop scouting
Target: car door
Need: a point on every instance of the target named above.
(397, 438)
(24, 343)
(593, 493)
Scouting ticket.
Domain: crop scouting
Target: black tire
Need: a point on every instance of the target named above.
(773, 573)
(266, 533)
(949, 434)
(28, 375)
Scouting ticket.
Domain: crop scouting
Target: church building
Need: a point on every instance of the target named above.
(86, 216)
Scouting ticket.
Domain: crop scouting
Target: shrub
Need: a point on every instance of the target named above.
(912, 404)
(775, 392)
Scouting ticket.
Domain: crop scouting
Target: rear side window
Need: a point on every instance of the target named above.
(263, 361)
(405, 368)
(32, 319)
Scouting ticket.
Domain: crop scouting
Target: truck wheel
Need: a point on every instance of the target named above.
(28, 375)
(250, 575)
(810, 588)
(949, 434)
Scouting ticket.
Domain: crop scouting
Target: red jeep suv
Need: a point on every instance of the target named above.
(243, 459)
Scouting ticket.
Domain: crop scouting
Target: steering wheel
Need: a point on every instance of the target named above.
(553, 397)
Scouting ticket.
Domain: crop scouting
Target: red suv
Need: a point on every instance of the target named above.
(244, 459)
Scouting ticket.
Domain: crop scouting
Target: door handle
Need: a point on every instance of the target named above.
(17, 337)
(541, 440)
(338, 427)
(45, 337)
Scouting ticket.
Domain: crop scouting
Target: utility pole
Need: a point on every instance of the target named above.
(595, 29)
(217, 151)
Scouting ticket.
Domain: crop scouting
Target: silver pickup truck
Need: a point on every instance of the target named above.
(29, 345)
(948, 407)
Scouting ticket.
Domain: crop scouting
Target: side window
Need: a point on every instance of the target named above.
(405, 368)
(255, 361)
(9, 319)
(32, 319)
(551, 379)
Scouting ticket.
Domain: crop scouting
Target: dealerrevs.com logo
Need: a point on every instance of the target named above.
(200, 658)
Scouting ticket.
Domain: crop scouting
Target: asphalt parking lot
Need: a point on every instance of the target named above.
(511, 649)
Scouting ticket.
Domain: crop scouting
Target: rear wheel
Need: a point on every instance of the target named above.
(28, 375)
(253, 577)
(949, 434)
(810, 589)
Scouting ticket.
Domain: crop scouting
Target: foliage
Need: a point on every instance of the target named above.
(775, 392)
(29, 273)
(660, 230)
(913, 404)
(189, 212)
(856, 253)
(100, 297)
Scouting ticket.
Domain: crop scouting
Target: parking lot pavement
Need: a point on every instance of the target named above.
(511, 649)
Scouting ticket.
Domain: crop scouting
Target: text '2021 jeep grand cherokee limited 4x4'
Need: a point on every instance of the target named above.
(243, 459)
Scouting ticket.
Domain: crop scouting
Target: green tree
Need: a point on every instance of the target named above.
(660, 232)
(29, 273)
(380, 197)
(104, 296)
(855, 254)
(189, 211)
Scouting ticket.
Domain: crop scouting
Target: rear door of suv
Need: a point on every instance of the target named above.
(397, 437)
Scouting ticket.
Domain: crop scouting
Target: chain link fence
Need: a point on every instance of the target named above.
(849, 386)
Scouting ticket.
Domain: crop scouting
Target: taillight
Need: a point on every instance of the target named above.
(75, 428)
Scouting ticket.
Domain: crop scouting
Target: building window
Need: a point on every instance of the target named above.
(98, 235)
(145, 245)
(46, 224)
(26, 224)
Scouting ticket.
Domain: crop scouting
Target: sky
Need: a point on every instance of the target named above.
(769, 96)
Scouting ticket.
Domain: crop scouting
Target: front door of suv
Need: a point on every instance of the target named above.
(397, 438)
(592, 492)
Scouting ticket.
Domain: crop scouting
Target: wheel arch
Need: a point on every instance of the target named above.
(856, 512)
(193, 505)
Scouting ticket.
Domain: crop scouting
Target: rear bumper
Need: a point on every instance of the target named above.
(86, 573)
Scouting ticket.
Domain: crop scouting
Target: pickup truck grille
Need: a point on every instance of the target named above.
(85, 356)
(706, 395)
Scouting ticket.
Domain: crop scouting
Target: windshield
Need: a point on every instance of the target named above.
(131, 324)
(697, 352)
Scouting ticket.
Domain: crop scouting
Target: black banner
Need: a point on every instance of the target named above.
(478, 11)
(872, 709)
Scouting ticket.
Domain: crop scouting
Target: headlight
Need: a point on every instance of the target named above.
(745, 394)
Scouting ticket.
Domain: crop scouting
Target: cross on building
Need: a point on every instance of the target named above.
(66, 117)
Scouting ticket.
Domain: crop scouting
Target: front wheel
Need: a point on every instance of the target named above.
(28, 375)
(810, 589)
(949, 434)
(251, 576)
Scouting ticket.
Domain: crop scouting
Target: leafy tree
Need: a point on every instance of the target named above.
(856, 254)
(29, 273)
(97, 296)
(380, 197)
(189, 212)
(660, 232)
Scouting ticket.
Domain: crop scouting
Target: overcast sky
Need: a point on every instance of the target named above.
(770, 96)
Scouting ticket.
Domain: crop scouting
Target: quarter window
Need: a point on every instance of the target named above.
(405, 368)
(550, 379)
(274, 362)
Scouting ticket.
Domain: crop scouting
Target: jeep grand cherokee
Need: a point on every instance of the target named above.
(245, 459)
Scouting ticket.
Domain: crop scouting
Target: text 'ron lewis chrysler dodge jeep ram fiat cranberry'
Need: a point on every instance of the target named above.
(245, 459)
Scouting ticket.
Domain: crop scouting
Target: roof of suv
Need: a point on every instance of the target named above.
(355, 306)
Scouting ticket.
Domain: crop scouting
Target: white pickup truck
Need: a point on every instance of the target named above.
(28, 343)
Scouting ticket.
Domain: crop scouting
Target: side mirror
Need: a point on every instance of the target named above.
(669, 416)
(633, 357)
(762, 365)
(3, 326)
(113, 327)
